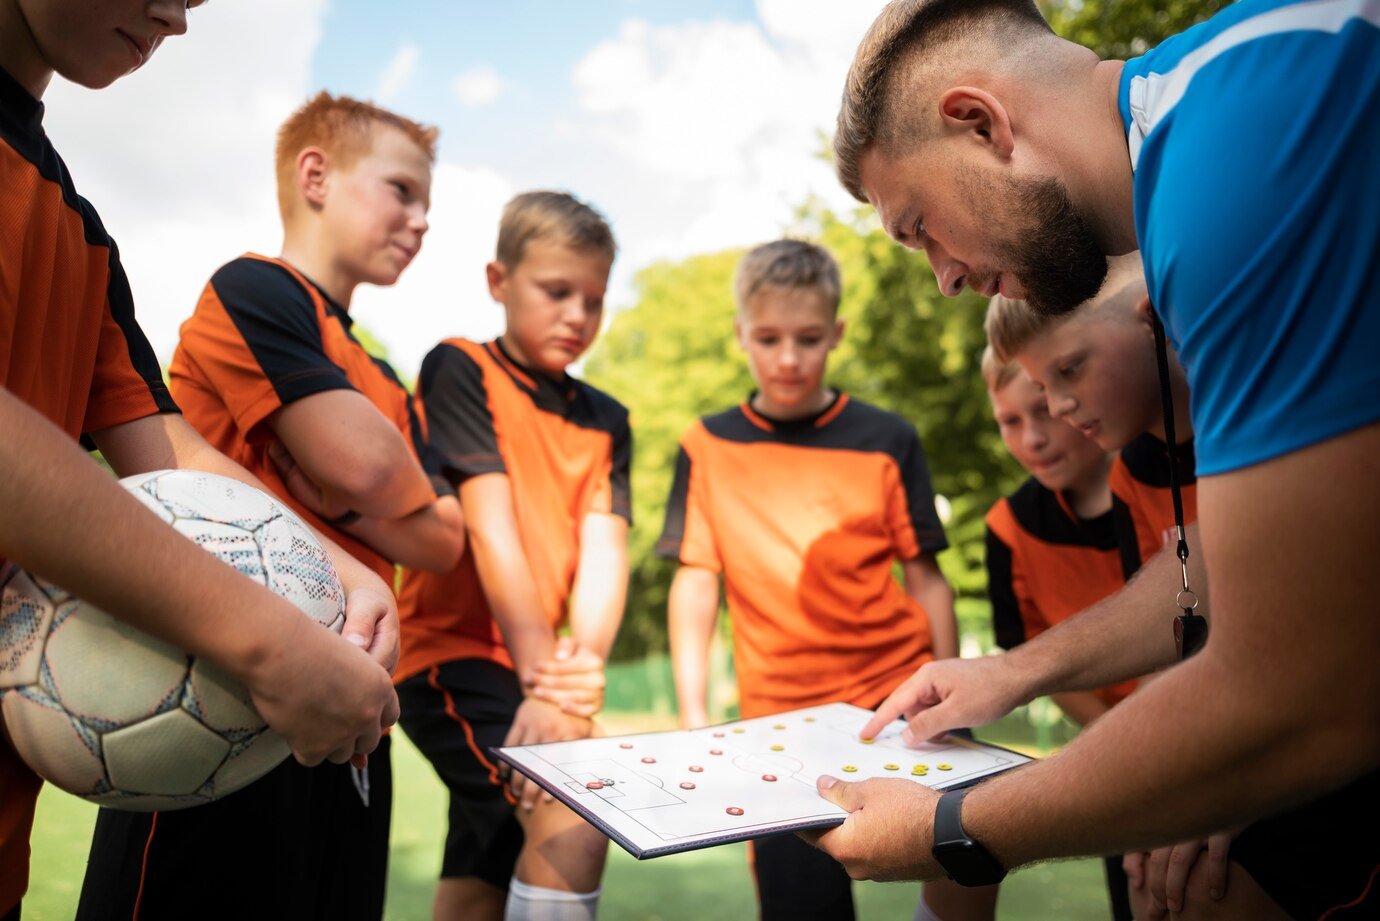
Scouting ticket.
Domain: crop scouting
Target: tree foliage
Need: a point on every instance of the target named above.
(1119, 29)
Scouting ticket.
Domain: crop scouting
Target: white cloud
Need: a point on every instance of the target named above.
(178, 158)
(397, 75)
(478, 86)
(443, 293)
(723, 122)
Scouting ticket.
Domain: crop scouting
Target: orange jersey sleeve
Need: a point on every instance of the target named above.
(1045, 565)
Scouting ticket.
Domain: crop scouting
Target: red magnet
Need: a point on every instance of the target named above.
(695, 769)
(625, 745)
(718, 735)
(594, 785)
(769, 778)
(716, 751)
(649, 761)
(687, 785)
(733, 810)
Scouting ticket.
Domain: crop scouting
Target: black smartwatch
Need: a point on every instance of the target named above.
(967, 862)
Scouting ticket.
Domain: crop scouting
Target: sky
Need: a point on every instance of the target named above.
(693, 125)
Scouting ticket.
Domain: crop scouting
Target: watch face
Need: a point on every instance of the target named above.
(968, 863)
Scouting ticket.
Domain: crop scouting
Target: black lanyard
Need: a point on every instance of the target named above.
(1190, 630)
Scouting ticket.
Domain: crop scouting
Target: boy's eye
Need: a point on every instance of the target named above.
(1069, 371)
(558, 294)
(811, 340)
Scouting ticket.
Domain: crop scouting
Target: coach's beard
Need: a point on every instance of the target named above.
(1057, 260)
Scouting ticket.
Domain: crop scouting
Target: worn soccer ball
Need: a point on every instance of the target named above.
(128, 721)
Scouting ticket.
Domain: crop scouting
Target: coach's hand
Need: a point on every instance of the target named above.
(888, 832)
(572, 679)
(323, 695)
(949, 694)
(537, 721)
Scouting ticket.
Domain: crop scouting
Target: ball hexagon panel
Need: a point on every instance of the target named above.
(167, 755)
(65, 757)
(249, 763)
(219, 701)
(209, 497)
(88, 648)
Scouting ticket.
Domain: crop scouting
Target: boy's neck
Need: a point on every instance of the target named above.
(317, 263)
(1091, 496)
(19, 54)
(812, 405)
(509, 347)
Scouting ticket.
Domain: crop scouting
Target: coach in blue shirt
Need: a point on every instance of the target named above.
(1242, 158)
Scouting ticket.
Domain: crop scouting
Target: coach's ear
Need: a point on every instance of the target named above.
(977, 114)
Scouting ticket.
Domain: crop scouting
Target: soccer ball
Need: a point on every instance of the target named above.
(125, 720)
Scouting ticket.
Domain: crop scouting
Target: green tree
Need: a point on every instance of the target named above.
(1120, 29)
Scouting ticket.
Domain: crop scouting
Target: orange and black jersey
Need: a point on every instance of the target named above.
(69, 347)
(805, 520)
(566, 449)
(1142, 505)
(1045, 564)
(263, 336)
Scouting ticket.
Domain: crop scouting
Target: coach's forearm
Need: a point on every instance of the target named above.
(1195, 751)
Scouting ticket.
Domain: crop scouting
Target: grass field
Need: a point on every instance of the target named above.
(711, 883)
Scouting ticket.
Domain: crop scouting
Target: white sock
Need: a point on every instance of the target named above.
(537, 903)
(923, 912)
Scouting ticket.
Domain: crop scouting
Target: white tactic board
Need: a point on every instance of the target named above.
(664, 792)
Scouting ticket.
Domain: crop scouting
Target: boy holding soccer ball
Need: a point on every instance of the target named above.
(74, 362)
(269, 370)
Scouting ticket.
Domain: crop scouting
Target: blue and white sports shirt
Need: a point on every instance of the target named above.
(1255, 140)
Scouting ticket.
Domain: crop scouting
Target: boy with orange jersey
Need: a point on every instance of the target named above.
(802, 500)
(1096, 370)
(269, 371)
(540, 460)
(1052, 544)
(74, 363)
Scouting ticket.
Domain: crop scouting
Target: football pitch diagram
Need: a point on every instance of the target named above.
(663, 792)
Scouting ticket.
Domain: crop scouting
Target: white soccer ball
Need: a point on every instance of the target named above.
(128, 721)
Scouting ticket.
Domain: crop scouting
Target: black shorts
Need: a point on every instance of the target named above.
(798, 882)
(1322, 858)
(455, 713)
(297, 844)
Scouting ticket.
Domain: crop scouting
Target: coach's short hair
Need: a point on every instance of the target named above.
(878, 107)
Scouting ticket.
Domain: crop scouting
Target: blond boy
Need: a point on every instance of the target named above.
(540, 460)
(269, 371)
(801, 499)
